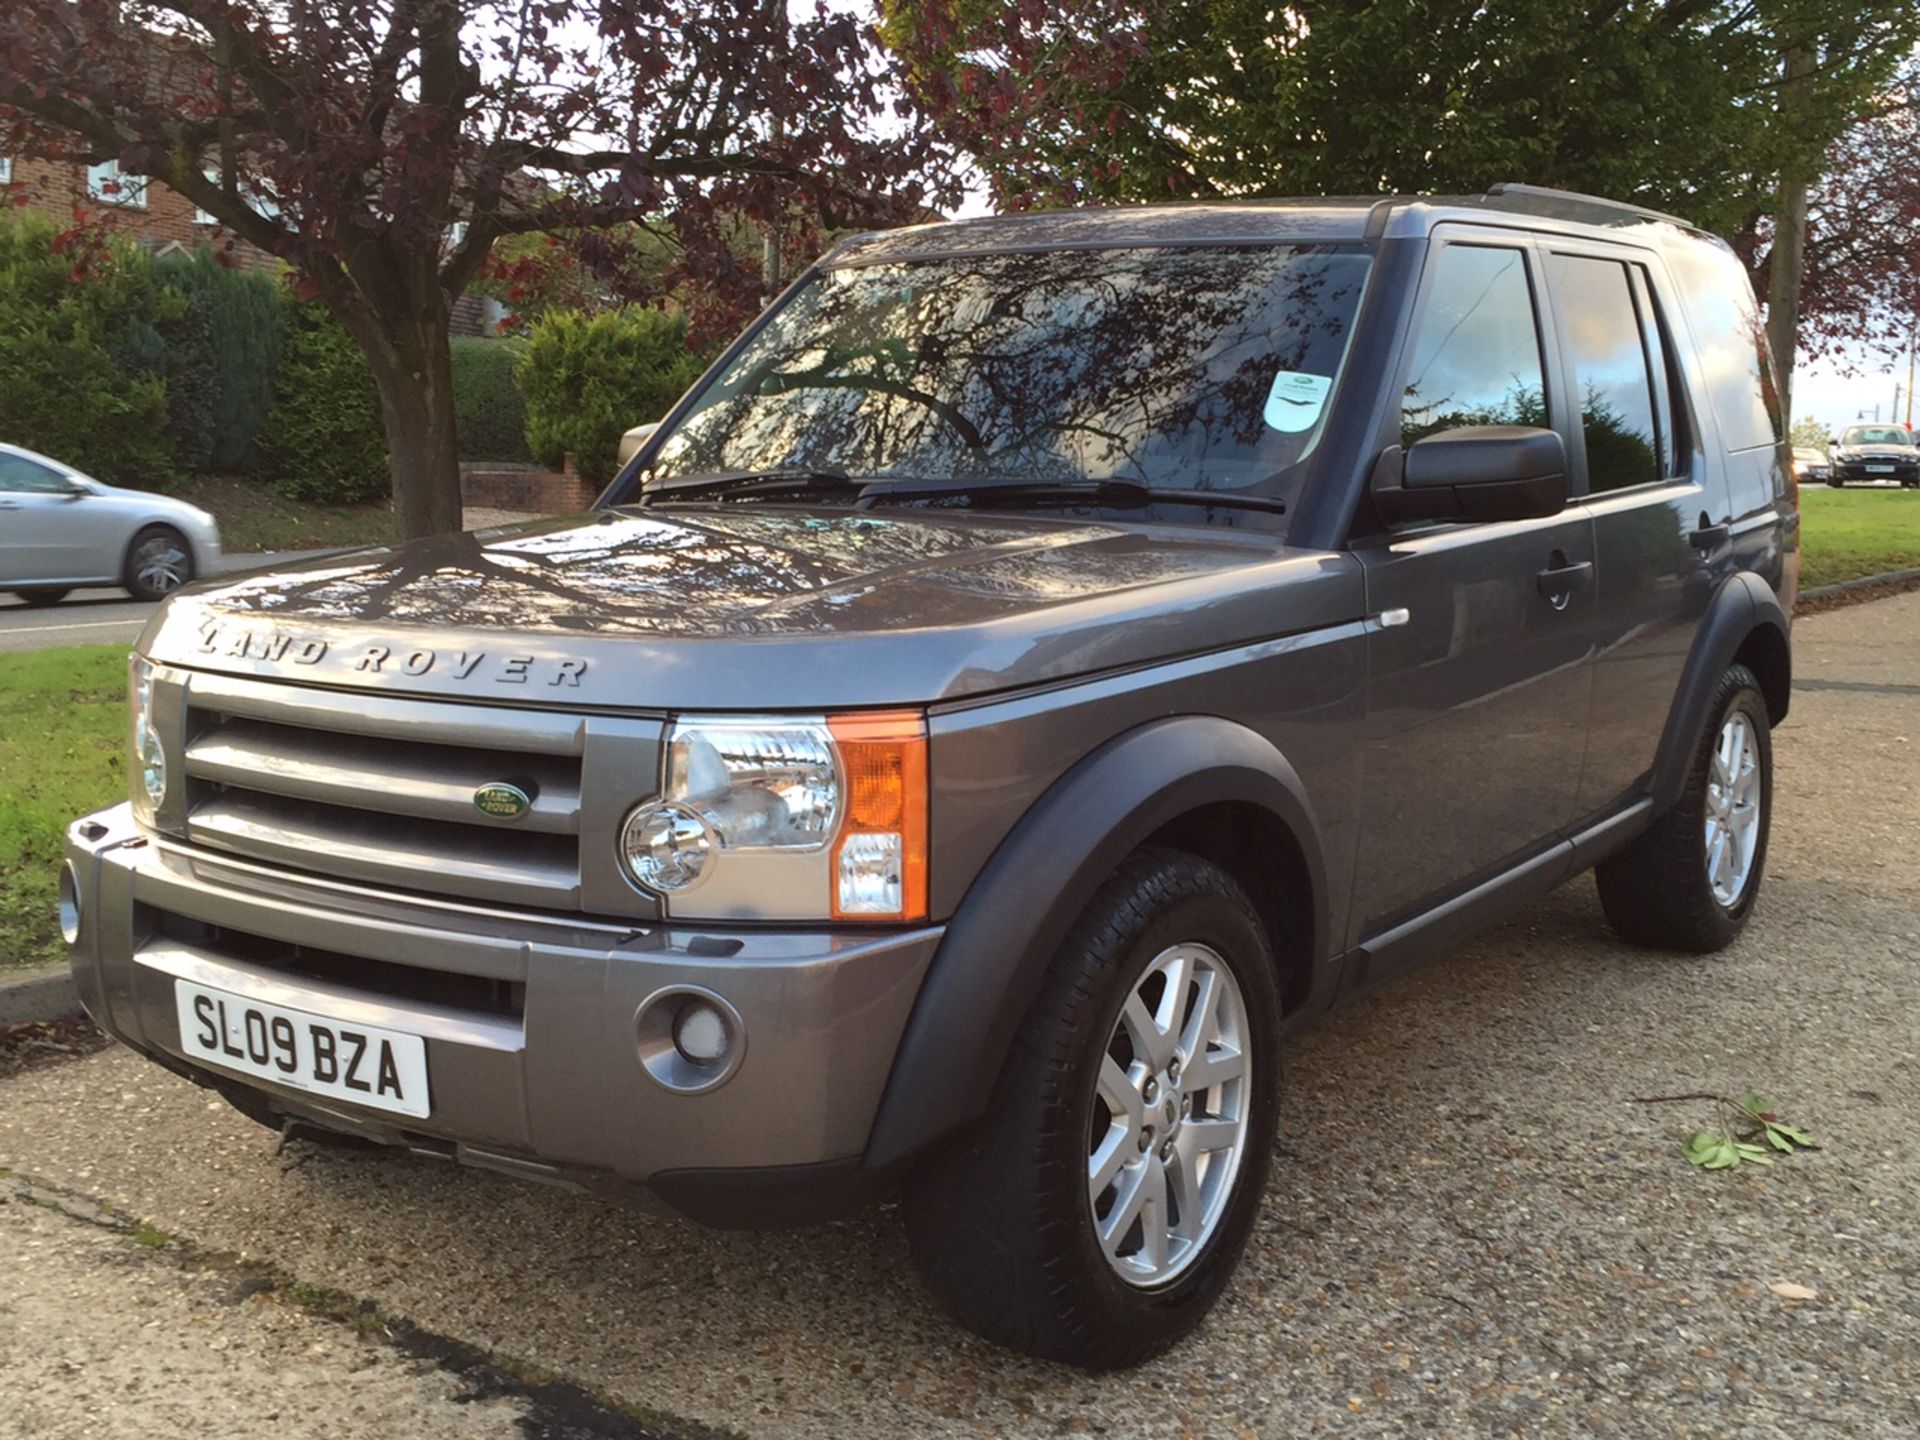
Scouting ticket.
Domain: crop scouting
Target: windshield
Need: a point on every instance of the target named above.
(1875, 435)
(1196, 369)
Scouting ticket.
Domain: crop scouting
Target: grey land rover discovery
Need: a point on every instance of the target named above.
(1045, 661)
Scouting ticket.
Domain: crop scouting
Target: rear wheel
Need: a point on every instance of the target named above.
(159, 562)
(42, 596)
(1690, 881)
(1096, 1214)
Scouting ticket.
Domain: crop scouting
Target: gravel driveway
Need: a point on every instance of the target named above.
(1474, 1231)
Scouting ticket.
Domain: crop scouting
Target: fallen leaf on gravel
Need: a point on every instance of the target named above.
(1787, 1290)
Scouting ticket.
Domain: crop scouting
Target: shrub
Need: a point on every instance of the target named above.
(324, 441)
(193, 384)
(488, 413)
(76, 330)
(246, 328)
(590, 378)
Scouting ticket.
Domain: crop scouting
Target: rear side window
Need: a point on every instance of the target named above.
(1476, 349)
(1734, 364)
(1600, 324)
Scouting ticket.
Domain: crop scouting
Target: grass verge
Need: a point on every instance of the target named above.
(62, 752)
(253, 518)
(1845, 534)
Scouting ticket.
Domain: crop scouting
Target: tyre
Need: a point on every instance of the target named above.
(42, 596)
(1689, 882)
(159, 562)
(1096, 1214)
(1835, 481)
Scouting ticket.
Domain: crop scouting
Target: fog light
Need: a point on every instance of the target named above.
(700, 1034)
(69, 904)
(688, 1039)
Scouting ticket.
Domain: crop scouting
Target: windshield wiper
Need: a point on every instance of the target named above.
(797, 479)
(1112, 490)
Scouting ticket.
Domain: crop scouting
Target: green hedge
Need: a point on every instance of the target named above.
(82, 370)
(590, 378)
(489, 414)
(245, 326)
(324, 440)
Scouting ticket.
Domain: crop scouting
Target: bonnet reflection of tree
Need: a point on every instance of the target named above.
(1055, 366)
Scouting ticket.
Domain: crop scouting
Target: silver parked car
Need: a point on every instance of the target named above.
(60, 529)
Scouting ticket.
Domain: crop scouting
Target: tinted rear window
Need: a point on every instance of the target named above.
(1734, 366)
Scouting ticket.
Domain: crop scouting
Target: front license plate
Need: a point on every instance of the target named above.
(1879, 469)
(363, 1064)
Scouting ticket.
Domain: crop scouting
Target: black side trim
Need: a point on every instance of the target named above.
(995, 955)
(1742, 605)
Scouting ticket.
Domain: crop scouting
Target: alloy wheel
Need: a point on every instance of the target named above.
(1170, 1116)
(1733, 809)
(160, 565)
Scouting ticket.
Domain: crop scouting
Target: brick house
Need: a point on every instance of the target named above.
(160, 219)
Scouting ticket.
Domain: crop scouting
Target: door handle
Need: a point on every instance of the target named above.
(9, 504)
(1558, 582)
(1710, 537)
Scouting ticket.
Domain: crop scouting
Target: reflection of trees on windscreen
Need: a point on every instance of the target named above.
(1066, 365)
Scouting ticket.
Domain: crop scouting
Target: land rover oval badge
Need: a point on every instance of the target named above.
(502, 801)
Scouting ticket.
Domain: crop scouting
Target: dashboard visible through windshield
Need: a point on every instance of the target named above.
(1191, 369)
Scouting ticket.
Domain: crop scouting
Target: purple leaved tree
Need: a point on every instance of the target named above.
(381, 147)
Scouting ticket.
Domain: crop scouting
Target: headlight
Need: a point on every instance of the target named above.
(149, 780)
(783, 818)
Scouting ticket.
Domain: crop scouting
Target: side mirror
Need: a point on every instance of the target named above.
(76, 492)
(631, 442)
(1477, 472)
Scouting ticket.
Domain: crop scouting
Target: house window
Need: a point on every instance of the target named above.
(6, 169)
(106, 183)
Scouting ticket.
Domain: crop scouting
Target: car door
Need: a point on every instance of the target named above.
(37, 540)
(1660, 513)
(1479, 633)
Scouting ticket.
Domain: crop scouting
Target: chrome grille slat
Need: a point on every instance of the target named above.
(432, 782)
(363, 845)
(537, 732)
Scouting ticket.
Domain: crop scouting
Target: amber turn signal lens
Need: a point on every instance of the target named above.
(880, 858)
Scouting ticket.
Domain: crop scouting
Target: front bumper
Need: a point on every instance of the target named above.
(529, 1021)
(1905, 471)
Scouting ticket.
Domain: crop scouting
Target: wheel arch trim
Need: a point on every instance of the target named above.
(1743, 610)
(994, 957)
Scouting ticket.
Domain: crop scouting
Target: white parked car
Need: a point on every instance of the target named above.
(60, 529)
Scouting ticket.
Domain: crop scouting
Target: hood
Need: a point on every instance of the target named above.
(738, 607)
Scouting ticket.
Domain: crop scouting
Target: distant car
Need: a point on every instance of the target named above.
(1811, 465)
(1875, 452)
(60, 529)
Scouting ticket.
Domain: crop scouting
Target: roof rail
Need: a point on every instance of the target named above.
(1512, 187)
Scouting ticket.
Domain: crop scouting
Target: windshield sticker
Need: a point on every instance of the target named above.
(1295, 402)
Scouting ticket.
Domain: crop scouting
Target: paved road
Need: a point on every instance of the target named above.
(102, 617)
(1475, 1231)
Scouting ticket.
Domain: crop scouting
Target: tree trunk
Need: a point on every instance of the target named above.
(1787, 262)
(414, 374)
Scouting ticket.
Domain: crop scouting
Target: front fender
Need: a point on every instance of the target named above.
(990, 966)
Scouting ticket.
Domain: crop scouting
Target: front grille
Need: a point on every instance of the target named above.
(381, 789)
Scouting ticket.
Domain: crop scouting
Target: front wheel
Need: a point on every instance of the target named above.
(1690, 881)
(1836, 482)
(159, 562)
(1096, 1214)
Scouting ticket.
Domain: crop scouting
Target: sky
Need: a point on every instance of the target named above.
(1826, 391)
